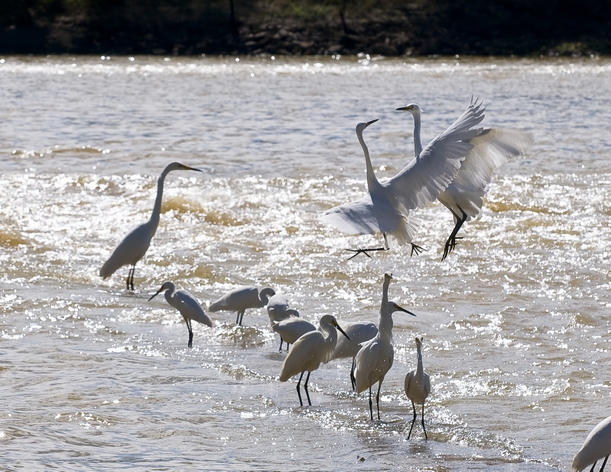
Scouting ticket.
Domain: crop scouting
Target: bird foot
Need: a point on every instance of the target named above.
(365, 251)
(416, 249)
(450, 246)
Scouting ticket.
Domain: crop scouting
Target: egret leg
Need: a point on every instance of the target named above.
(190, 333)
(298, 391)
(413, 421)
(593, 465)
(370, 404)
(416, 249)
(281, 341)
(423, 428)
(305, 386)
(378, 397)
(365, 251)
(604, 464)
(451, 242)
(239, 318)
(130, 278)
(352, 378)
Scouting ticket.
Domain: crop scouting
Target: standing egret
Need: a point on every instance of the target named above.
(375, 357)
(278, 310)
(309, 351)
(491, 147)
(187, 304)
(136, 243)
(359, 332)
(417, 387)
(242, 298)
(596, 446)
(386, 207)
(291, 329)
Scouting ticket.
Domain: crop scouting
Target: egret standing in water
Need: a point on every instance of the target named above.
(596, 446)
(186, 304)
(136, 243)
(291, 329)
(375, 358)
(417, 387)
(278, 310)
(242, 298)
(491, 147)
(309, 351)
(385, 209)
(359, 332)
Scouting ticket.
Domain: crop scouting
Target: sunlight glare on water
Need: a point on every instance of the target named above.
(515, 322)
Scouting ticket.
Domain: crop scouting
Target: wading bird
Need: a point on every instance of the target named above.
(136, 243)
(375, 357)
(242, 298)
(309, 351)
(385, 209)
(596, 446)
(359, 332)
(291, 329)
(186, 304)
(417, 387)
(491, 147)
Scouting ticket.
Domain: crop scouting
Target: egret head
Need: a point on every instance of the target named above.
(361, 126)
(330, 320)
(166, 286)
(392, 307)
(419, 342)
(179, 166)
(412, 108)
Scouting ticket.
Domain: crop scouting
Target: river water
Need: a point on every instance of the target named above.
(516, 322)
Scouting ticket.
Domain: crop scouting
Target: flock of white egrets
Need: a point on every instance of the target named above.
(456, 169)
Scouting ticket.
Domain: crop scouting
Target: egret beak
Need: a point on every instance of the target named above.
(342, 331)
(158, 292)
(402, 109)
(371, 122)
(184, 167)
(400, 308)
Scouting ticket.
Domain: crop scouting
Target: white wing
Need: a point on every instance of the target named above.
(424, 178)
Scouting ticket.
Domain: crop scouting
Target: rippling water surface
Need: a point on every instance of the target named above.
(515, 322)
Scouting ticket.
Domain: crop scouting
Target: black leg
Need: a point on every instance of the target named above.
(424, 429)
(305, 386)
(451, 242)
(370, 405)
(280, 350)
(413, 421)
(416, 249)
(298, 392)
(378, 397)
(190, 333)
(604, 464)
(130, 278)
(352, 379)
(593, 465)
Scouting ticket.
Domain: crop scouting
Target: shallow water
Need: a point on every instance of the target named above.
(515, 322)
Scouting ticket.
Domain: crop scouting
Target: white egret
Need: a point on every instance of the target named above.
(491, 147)
(242, 298)
(375, 357)
(417, 387)
(309, 351)
(359, 332)
(278, 310)
(186, 304)
(596, 446)
(291, 329)
(386, 207)
(136, 243)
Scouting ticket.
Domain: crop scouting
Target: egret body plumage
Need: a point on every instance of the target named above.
(490, 148)
(242, 298)
(186, 304)
(417, 387)
(291, 329)
(385, 209)
(375, 357)
(309, 351)
(596, 446)
(136, 243)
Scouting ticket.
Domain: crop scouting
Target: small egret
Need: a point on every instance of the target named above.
(136, 243)
(596, 446)
(386, 207)
(491, 147)
(242, 298)
(187, 304)
(359, 332)
(309, 351)
(375, 357)
(417, 387)
(278, 310)
(291, 329)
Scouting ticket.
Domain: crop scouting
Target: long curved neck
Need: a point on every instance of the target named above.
(154, 220)
(331, 339)
(417, 142)
(385, 328)
(419, 369)
(372, 180)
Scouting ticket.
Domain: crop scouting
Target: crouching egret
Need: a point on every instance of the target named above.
(386, 207)
(278, 310)
(136, 243)
(375, 357)
(242, 298)
(186, 304)
(309, 351)
(491, 147)
(359, 332)
(417, 387)
(291, 329)
(596, 446)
